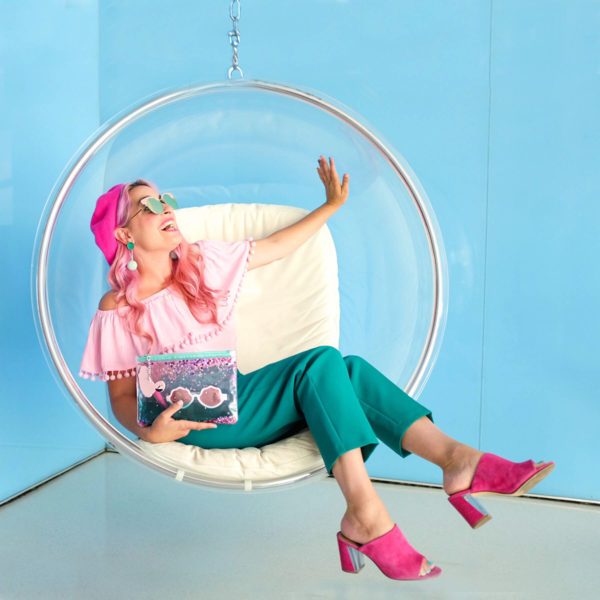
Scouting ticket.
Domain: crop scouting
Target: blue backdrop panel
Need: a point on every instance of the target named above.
(541, 360)
(49, 94)
(432, 101)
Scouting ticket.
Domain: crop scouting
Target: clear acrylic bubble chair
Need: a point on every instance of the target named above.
(241, 159)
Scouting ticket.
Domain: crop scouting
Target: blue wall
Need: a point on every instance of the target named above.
(49, 106)
(494, 105)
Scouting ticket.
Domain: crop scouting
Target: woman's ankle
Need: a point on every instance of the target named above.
(366, 522)
(460, 468)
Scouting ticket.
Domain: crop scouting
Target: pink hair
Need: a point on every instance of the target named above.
(187, 276)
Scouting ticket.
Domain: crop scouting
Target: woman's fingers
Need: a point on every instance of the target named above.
(321, 175)
(171, 410)
(337, 192)
(345, 182)
(322, 169)
(328, 171)
(334, 174)
(196, 425)
(327, 168)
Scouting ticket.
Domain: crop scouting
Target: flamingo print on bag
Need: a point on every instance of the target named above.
(150, 388)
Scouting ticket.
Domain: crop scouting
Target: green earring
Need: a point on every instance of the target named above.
(131, 265)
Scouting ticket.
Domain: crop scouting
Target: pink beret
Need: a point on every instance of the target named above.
(104, 221)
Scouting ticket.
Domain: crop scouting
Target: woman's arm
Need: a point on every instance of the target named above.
(123, 400)
(286, 240)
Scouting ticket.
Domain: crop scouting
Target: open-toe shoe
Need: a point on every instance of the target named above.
(496, 475)
(391, 552)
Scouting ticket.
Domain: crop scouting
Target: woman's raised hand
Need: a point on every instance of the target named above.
(337, 193)
(167, 429)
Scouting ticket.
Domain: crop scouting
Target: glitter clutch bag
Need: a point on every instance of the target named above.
(206, 383)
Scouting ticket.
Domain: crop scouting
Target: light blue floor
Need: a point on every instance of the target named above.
(112, 529)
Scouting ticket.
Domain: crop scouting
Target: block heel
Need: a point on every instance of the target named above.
(352, 560)
(472, 511)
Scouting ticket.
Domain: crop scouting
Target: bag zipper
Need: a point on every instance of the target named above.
(184, 356)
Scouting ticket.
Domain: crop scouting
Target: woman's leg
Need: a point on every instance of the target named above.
(458, 461)
(314, 387)
(311, 389)
(366, 517)
(395, 420)
(406, 427)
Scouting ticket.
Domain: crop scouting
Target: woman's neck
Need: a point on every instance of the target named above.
(156, 273)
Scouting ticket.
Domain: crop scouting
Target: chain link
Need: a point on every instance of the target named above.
(235, 11)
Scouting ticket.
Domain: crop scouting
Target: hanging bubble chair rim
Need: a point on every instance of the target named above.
(130, 115)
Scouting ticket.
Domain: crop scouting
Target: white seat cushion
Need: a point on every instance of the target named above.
(292, 456)
(284, 308)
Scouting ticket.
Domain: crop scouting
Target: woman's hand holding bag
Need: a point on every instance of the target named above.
(167, 429)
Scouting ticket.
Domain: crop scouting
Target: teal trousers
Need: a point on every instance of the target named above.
(345, 402)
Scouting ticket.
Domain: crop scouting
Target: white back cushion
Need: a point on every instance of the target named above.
(287, 306)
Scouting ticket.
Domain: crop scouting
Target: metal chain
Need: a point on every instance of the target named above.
(235, 11)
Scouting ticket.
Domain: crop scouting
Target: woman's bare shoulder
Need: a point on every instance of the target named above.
(108, 301)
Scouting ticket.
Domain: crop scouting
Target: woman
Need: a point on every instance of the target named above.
(168, 295)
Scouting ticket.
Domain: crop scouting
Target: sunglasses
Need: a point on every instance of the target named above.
(154, 206)
(210, 396)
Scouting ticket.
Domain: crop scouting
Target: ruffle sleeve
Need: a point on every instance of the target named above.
(225, 267)
(112, 349)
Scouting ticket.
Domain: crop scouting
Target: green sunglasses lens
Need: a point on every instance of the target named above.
(154, 205)
(170, 200)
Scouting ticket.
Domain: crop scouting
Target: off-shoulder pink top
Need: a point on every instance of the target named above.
(111, 350)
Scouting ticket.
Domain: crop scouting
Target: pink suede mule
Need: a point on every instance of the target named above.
(496, 475)
(391, 552)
